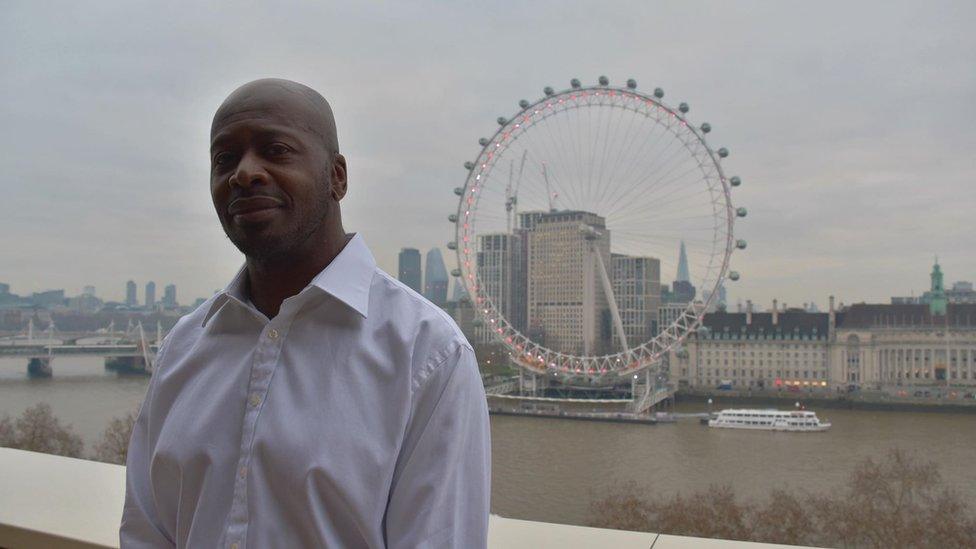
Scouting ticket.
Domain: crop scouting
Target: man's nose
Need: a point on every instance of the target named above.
(250, 171)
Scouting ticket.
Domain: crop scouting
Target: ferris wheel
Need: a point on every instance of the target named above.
(574, 218)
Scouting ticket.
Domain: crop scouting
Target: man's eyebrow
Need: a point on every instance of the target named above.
(265, 133)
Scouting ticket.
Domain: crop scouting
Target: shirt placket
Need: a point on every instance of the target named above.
(262, 368)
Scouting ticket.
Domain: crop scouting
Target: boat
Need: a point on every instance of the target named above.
(769, 420)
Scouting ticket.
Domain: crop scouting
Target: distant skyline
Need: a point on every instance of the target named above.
(850, 125)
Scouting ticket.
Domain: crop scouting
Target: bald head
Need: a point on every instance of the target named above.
(299, 105)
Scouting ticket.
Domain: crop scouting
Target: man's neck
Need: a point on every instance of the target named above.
(272, 282)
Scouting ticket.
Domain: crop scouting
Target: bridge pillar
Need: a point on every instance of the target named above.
(40, 366)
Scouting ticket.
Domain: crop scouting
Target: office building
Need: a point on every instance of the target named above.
(409, 269)
(435, 278)
(150, 302)
(130, 294)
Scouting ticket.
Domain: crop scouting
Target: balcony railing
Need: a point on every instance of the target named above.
(54, 502)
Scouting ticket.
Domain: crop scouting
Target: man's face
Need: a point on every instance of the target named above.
(270, 179)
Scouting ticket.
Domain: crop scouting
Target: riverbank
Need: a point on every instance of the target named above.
(846, 402)
(576, 416)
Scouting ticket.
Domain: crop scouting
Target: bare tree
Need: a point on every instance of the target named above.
(784, 518)
(712, 513)
(38, 430)
(897, 501)
(622, 508)
(114, 444)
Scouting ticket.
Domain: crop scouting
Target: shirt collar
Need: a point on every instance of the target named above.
(347, 278)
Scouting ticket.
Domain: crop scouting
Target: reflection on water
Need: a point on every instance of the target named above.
(545, 469)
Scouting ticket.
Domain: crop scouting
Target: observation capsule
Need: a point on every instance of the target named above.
(741, 244)
(632, 84)
(524, 103)
(658, 92)
(458, 191)
(548, 90)
(484, 141)
(723, 152)
(469, 165)
(706, 127)
(733, 275)
(684, 108)
(741, 212)
(452, 245)
(501, 120)
(735, 181)
(604, 81)
(575, 83)
(452, 218)
(456, 272)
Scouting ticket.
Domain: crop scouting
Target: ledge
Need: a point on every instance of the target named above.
(66, 503)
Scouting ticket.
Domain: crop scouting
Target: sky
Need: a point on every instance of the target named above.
(850, 124)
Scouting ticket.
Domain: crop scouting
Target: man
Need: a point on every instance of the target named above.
(316, 401)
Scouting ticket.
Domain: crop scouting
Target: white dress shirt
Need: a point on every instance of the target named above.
(354, 418)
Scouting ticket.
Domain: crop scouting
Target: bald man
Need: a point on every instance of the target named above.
(316, 401)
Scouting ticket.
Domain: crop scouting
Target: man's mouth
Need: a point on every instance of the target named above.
(254, 208)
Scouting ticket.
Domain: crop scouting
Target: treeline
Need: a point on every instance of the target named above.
(895, 501)
(37, 429)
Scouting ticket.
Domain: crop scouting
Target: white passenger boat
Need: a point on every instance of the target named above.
(769, 420)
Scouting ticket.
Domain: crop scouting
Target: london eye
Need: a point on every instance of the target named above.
(572, 214)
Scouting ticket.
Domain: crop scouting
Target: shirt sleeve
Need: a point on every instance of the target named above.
(141, 527)
(442, 484)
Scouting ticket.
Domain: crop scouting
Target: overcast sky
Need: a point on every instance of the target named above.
(851, 126)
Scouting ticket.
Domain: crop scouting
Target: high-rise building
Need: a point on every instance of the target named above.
(130, 294)
(435, 278)
(409, 269)
(169, 296)
(568, 263)
(458, 292)
(501, 271)
(150, 295)
(637, 289)
(4, 288)
(88, 291)
(682, 290)
(683, 274)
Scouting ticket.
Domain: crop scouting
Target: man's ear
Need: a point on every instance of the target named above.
(339, 178)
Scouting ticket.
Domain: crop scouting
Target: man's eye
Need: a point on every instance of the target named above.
(222, 159)
(277, 149)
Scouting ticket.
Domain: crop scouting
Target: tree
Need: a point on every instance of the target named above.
(712, 513)
(622, 508)
(897, 501)
(114, 444)
(38, 430)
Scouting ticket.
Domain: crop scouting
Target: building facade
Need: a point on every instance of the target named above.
(567, 304)
(150, 295)
(637, 289)
(435, 278)
(130, 294)
(884, 347)
(409, 269)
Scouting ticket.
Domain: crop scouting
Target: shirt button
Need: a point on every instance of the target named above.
(272, 333)
(255, 399)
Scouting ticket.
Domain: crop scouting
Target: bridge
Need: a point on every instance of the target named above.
(125, 351)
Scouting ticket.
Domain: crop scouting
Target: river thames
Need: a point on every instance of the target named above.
(550, 469)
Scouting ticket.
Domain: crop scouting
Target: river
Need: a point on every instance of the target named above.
(549, 469)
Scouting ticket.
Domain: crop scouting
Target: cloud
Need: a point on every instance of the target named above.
(848, 123)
